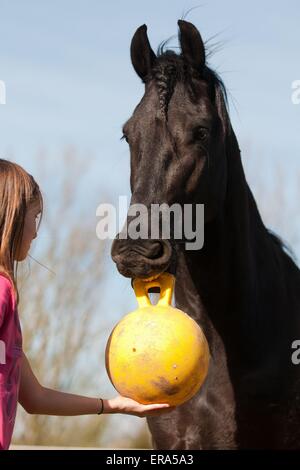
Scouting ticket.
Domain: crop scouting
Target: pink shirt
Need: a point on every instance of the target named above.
(10, 361)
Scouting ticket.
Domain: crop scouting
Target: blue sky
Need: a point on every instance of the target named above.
(69, 82)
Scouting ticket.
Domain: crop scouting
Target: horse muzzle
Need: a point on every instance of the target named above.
(141, 258)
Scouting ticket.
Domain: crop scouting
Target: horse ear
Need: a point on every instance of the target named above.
(142, 56)
(191, 43)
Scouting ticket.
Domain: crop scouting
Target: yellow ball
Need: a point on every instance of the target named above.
(157, 354)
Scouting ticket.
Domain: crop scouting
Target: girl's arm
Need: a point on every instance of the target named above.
(37, 399)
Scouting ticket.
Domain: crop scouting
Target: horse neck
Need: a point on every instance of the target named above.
(218, 284)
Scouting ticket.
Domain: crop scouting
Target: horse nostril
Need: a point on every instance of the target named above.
(156, 250)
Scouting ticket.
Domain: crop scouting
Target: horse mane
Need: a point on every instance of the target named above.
(171, 68)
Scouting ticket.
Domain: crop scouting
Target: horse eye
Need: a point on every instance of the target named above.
(201, 133)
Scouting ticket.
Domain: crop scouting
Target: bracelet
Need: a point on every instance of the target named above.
(102, 406)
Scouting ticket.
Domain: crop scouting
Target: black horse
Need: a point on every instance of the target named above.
(242, 287)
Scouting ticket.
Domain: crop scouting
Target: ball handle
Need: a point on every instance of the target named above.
(165, 282)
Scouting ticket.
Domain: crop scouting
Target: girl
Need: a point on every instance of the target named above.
(21, 205)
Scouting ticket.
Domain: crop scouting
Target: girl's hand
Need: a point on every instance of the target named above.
(37, 399)
(128, 406)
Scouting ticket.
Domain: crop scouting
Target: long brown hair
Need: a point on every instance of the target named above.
(18, 189)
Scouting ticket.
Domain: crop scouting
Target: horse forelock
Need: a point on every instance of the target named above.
(171, 68)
